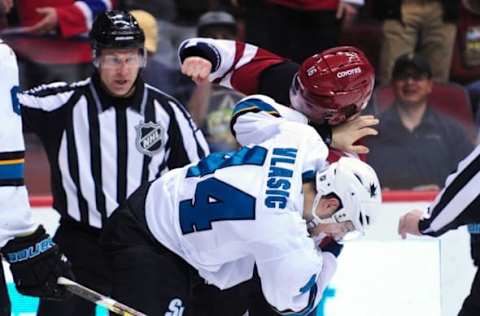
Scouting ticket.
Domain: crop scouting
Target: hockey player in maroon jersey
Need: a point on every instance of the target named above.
(329, 88)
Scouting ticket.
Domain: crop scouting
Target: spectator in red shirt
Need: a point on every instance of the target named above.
(53, 45)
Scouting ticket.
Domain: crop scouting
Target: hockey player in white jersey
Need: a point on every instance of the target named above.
(216, 220)
(329, 88)
(35, 261)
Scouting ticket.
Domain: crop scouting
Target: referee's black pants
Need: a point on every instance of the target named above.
(89, 264)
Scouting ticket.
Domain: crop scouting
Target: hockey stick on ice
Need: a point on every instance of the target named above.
(98, 298)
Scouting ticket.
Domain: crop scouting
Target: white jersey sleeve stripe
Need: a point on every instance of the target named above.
(49, 97)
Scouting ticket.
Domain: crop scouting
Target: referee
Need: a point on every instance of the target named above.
(458, 204)
(105, 136)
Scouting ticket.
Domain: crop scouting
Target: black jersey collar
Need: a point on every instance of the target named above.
(107, 100)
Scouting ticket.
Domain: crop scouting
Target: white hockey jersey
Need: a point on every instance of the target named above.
(257, 118)
(233, 210)
(15, 215)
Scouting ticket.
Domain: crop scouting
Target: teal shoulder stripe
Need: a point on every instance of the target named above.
(13, 171)
(308, 176)
(255, 105)
(219, 160)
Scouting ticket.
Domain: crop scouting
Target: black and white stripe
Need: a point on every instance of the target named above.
(459, 202)
(91, 143)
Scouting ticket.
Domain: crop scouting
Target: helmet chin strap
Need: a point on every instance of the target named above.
(316, 220)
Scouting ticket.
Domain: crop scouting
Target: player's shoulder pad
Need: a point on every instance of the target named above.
(303, 130)
(255, 103)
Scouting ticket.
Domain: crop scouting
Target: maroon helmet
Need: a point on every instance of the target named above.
(333, 85)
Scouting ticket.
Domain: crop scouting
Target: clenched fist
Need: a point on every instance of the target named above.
(197, 68)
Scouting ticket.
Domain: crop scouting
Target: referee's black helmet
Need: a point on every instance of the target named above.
(116, 29)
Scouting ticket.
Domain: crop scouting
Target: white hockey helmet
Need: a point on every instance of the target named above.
(356, 186)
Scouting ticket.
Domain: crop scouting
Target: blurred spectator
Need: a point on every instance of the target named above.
(297, 29)
(466, 58)
(157, 74)
(423, 26)
(176, 19)
(466, 54)
(165, 12)
(416, 146)
(211, 105)
(218, 25)
(474, 94)
(51, 43)
(5, 7)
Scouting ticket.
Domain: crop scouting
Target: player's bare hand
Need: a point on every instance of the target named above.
(197, 68)
(6, 6)
(346, 134)
(48, 22)
(408, 223)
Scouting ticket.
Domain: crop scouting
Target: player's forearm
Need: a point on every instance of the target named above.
(315, 292)
(328, 270)
(235, 64)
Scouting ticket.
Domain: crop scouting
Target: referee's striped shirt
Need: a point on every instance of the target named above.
(459, 202)
(102, 148)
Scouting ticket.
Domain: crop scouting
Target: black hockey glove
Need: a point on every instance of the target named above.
(329, 244)
(36, 262)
